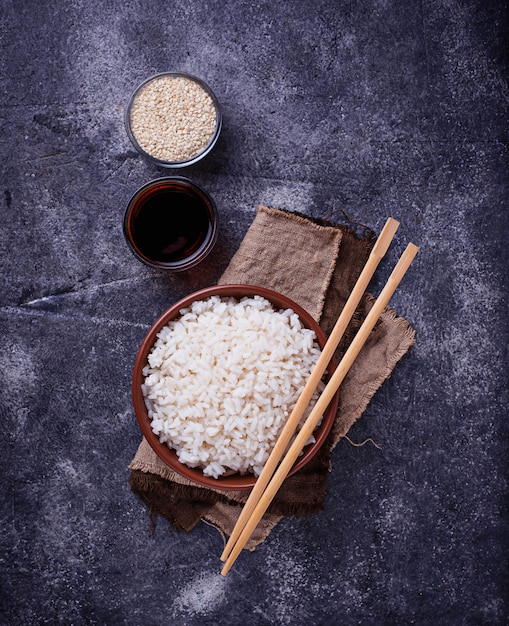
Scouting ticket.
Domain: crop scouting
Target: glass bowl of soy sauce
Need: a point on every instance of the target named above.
(171, 223)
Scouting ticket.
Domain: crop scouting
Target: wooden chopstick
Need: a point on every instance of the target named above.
(377, 253)
(322, 403)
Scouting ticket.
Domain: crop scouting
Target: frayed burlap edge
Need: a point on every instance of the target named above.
(349, 412)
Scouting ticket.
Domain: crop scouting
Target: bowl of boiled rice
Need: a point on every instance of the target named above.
(216, 378)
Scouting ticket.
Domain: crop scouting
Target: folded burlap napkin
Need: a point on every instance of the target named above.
(316, 263)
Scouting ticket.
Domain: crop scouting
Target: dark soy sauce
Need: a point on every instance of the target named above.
(170, 224)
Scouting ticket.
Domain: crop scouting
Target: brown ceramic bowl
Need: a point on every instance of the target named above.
(233, 481)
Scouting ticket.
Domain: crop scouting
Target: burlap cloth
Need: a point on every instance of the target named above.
(316, 263)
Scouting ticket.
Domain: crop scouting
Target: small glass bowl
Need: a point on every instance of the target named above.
(186, 219)
(192, 159)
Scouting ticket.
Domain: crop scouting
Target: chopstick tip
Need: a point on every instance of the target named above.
(390, 227)
(412, 249)
(386, 236)
(225, 570)
(404, 262)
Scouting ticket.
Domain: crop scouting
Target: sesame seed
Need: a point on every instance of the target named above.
(173, 118)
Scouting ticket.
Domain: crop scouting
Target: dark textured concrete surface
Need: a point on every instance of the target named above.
(377, 107)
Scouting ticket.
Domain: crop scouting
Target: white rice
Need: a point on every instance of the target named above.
(222, 379)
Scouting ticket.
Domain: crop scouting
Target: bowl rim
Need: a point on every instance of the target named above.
(235, 481)
(196, 157)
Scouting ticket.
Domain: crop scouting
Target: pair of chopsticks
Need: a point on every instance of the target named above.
(270, 480)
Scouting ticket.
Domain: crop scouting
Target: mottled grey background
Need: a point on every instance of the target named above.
(376, 107)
